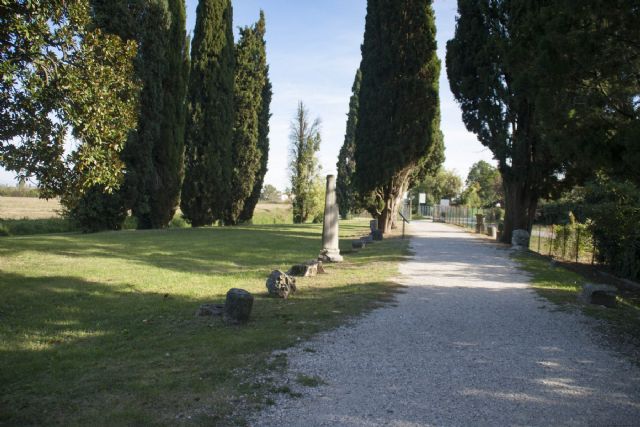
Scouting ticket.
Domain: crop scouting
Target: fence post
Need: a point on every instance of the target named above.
(564, 241)
(551, 244)
(577, 245)
(539, 238)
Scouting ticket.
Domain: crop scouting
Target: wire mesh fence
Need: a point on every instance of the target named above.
(570, 242)
(462, 216)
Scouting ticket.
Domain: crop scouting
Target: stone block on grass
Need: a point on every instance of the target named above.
(210, 310)
(280, 285)
(597, 294)
(307, 269)
(237, 306)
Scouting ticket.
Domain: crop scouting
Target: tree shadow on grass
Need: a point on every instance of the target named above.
(205, 250)
(252, 252)
(83, 352)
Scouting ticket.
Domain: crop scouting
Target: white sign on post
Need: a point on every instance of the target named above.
(423, 198)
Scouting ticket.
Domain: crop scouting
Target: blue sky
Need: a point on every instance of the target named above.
(313, 49)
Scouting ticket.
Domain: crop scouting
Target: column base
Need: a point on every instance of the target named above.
(330, 255)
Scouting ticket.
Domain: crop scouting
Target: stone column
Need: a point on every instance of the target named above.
(330, 249)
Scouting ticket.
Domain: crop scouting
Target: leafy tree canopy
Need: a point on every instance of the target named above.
(487, 182)
(67, 97)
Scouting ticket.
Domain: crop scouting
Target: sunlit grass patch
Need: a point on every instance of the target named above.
(100, 329)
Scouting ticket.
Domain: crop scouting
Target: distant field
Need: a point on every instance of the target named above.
(28, 207)
(34, 208)
(273, 213)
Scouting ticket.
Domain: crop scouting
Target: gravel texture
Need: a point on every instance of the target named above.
(469, 343)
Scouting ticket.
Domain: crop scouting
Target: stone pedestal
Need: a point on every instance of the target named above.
(330, 240)
(520, 240)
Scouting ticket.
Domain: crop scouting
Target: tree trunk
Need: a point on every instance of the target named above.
(392, 195)
(386, 217)
(521, 202)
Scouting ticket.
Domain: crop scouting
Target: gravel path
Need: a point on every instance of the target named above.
(467, 344)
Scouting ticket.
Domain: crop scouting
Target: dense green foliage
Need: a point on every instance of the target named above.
(250, 81)
(263, 146)
(398, 118)
(98, 211)
(484, 180)
(346, 194)
(210, 116)
(304, 167)
(551, 87)
(153, 155)
(444, 184)
(489, 64)
(614, 210)
(61, 78)
(588, 78)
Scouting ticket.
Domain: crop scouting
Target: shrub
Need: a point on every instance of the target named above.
(614, 208)
(98, 211)
(178, 221)
(23, 227)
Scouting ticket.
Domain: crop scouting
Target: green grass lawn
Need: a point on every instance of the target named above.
(100, 329)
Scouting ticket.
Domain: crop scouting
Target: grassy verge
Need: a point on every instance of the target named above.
(24, 227)
(100, 329)
(562, 287)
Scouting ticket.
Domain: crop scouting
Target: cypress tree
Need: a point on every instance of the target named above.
(168, 151)
(251, 66)
(153, 155)
(345, 191)
(490, 65)
(263, 146)
(210, 115)
(399, 104)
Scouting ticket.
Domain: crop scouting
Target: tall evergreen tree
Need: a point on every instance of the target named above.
(263, 146)
(588, 65)
(399, 104)
(153, 155)
(345, 187)
(250, 80)
(210, 116)
(490, 64)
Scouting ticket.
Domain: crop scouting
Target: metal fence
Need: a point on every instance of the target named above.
(570, 242)
(461, 215)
